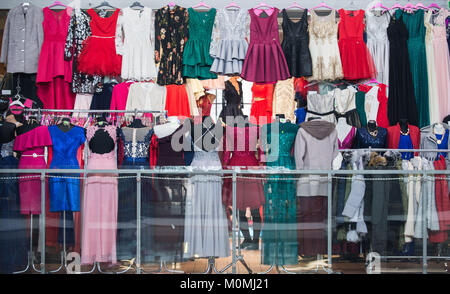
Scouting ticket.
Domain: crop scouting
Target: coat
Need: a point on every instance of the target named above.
(394, 137)
(428, 141)
(22, 39)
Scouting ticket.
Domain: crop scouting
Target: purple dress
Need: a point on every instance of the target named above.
(265, 61)
(347, 143)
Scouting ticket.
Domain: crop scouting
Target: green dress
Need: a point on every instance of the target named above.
(418, 61)
(196, 59)
(279, 234)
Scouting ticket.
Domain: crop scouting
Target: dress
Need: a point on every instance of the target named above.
(280, 212)
(196, 59)
(171, 35)
(233, 100)
(229, 44)
(65, 193)
(98, 55)
(378, 43)
(136, 155)
(376, 104)
(321, 106)
(146, 96)
(100, 200)
(79, 30)
(265, 61)
(102, 97)
(134, 42)
(284, 99)
(401, 102)
(323, 46)
(357, 63)
(345, 106)
(365, 140)
(54, 74)
(262, 97)
(31, 145)
(442, 63)
(295, 45)
(348, 141)
(14, 243)
(177, 101)
(206, 225)
(433, 99)
(240, 147)
(414, 22)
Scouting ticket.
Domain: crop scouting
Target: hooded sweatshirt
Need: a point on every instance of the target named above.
(316, 146)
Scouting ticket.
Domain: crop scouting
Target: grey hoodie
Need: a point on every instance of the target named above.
(315, 148)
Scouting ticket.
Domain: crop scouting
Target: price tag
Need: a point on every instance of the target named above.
(6, 92)
(312, 92)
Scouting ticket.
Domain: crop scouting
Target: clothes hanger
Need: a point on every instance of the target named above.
(409, 7)
(295, 5)
(104, 4)
(322, 5)
(202, 4)
(233, 5)
(56, 3)
(396, 6)
(421, 6)
(434, 5)
(379, 5)
(262, 4)
(137, 4)
(351, 7)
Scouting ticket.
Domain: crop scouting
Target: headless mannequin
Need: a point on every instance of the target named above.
(101, 142)
(404, 126)
(136, 124)
(233, 80)
(167, 129)
(439, 129)
(65, 125)
(343, 128)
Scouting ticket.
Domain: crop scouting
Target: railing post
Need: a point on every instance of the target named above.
(42, 223)
(424, 228)
(329, 231)
(235, 230)
(138, 223)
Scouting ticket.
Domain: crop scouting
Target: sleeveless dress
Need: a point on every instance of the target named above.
(378, 43)
(401, 102)
(414, 22)
(295, 45)
(229, 45)
(357, 63)
(265, 61)
(100, 204)
(262, 103)
(196, 59)
(323, 46)
(433, 98)
(279, 238)
(98, 55)
(65, 193)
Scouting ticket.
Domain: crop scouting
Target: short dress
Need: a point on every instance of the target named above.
(98, 56)
(261, 110)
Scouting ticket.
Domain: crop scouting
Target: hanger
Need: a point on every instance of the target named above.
(316, 82)
(372, 81)
(262, 4)
(137, 4)
(434, 5)
(232, 5)
(171, 4)
(322, 5)
(421, 6)
(201, 4)
(379, 5)
(295, 5)
(104, 4)
(351, 6)
(409, 7)
(396, 6)
(57, 3)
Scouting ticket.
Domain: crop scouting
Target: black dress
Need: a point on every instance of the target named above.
(401, 102)
(233, 101)
(167, 204)
(295, 45)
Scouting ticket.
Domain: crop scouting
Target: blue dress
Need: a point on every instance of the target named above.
(365, 140)
(443, 145)
(406, 143)
(65, 193)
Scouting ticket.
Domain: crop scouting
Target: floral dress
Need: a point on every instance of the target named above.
(171, 34)
(79, 30)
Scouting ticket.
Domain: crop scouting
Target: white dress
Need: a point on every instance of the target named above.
(228, 45)
(378, 43)
(321, 106)
(146, 96)
(134, 33)
(433, 100)
(323, 45)
(371, 104)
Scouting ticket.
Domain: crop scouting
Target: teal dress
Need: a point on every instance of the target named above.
(279, 235)
(196, 59)
(418, 61)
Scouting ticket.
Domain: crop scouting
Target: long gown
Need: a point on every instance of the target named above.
(418, 59)
(280, 219)
(401, 102)
(378, 43)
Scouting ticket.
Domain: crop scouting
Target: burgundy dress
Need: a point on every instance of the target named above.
(31, 145)
(241, 145)
(265, 61)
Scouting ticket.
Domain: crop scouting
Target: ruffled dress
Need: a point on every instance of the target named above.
(229, 45)
(196, 59)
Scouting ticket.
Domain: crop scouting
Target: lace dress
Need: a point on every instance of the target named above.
(365, 140)
(378, 43)
(134, 34)
(284, 99)
(229, 43)
(100, 200)
(280, 211)
(323, 45)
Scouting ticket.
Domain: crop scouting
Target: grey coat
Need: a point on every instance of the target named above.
(22, 39)
(428, 141)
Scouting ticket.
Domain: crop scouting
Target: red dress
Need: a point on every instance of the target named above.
(357, 63)
(261, 110)
(54, 75)
(177, 101)
(98, 56)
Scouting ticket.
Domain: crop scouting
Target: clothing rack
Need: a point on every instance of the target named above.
(93, 111)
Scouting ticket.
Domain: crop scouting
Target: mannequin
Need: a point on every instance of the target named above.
(7, 131)
(164, 130)
(372, 127)
(234, 81)
(439, 129)
(404, 127)
(101, 142)
(136, 124)
(65, 125)
(343, 128)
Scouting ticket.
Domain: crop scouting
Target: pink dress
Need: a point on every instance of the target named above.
(265, 61)
(119, 96)
(31, 145)
(100, 204)
(54, 75)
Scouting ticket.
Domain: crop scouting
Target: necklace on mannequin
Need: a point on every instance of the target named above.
(405, 133)
(437, 140)
(373, 133)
